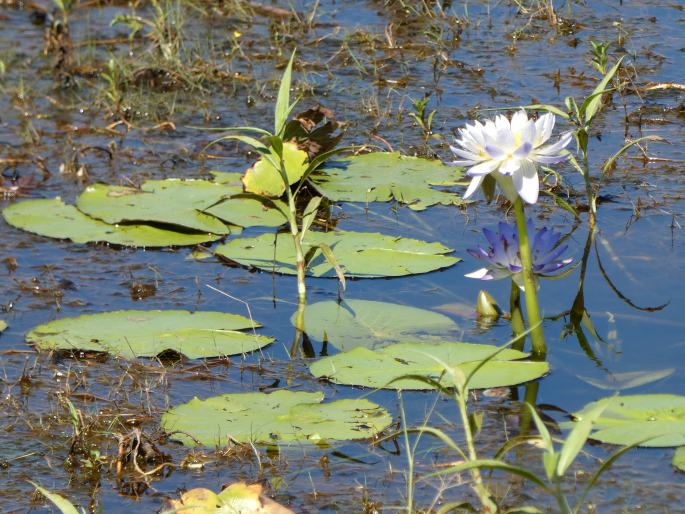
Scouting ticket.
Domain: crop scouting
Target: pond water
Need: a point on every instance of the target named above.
(367, 61)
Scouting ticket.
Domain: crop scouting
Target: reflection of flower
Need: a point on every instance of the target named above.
(503, 258)
(508, 150)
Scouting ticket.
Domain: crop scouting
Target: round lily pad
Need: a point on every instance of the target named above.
(148, 333)
(370, 324)
(248, 211)
(653, 420)
(359, 254)
(281, 416)
(382, 176)
(385, 367)
(54, 218)
(264, 179)
(172, 201)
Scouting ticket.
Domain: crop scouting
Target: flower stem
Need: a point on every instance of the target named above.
(518, 326)
(537, 335)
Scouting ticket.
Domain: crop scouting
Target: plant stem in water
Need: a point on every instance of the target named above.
(537, 335)
(518, 326)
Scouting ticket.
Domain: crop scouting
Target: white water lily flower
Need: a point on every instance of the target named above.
(508, 150)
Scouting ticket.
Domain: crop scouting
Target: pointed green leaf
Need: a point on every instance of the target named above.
(64, 505)
(578, 437)
(283, 106)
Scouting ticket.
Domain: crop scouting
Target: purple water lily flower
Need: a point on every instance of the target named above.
(504, 260)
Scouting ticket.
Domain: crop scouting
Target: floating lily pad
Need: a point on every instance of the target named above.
(372, 324)
(381, 176)
(631, 419)
(383, 368)
(359, 254)
(281, 416)
(678, 460)
(149, 333)
(3, 325)
(264, 179)
(237, 498)
(248, 211)
(53, 218)
(172, 201)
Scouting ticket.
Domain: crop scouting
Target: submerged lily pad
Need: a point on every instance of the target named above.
(381, 176)
(172, 201)
(264, 179)
(281, 416)
(54, 218)
(637, 418)
(359, 254)
(148, 333)
(372, 324)
(385, 367)
(247, 211)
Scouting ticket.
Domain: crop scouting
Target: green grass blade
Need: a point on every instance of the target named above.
(64, 505)
(283, 106)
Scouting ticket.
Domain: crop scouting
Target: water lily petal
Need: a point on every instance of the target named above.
(526, 182)
(465, 154)
(554, 149)
(506, 184)
(518, 121)
(482, 168)
(544, 126)
(522, 151)
(509, 166)
(480, 274)
(473, 186)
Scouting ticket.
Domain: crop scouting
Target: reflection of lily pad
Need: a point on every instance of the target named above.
(264, 179)
(378, 368)
(631, 419)
(372, 324)
(281, 416)
(380, 177)
(247, 211)
(53, 218)
(359, 254)
(149, 333)
(172, 201)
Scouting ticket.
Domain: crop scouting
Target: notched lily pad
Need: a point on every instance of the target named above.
(372, 324)
(653, 420)
(54, 218)
(149, 333)
(171, 201)
(385, 367)
(281, 416)
(381, 177)
(248, 211)
(359, 254)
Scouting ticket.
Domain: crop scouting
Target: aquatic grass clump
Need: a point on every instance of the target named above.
(507, 151)
(503, 257)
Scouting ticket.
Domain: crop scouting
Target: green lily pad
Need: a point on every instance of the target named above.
(359, 254)
(370, 324)
(247, 211)
(54, 218)
(383, 368)
(381, 176)
(637, 418)
(148, 333)
(281, 416)
(3, 326)
(265, 180)
(679, 459)
(172, 201)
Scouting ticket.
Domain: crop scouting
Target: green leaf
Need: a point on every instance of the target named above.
(283, 106)
(172, 201)
(494, 465)
(309, 214)
(327, 252)
(679, 458)
(370, 324)
(381, 177)
(593, 103)
(359, 254)
(64, 505)
(281, 416)
(250, 211)
(399, 366)
(148, 333)
(652, 420)
(53, 218)
(265, 179)
(579, 435)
